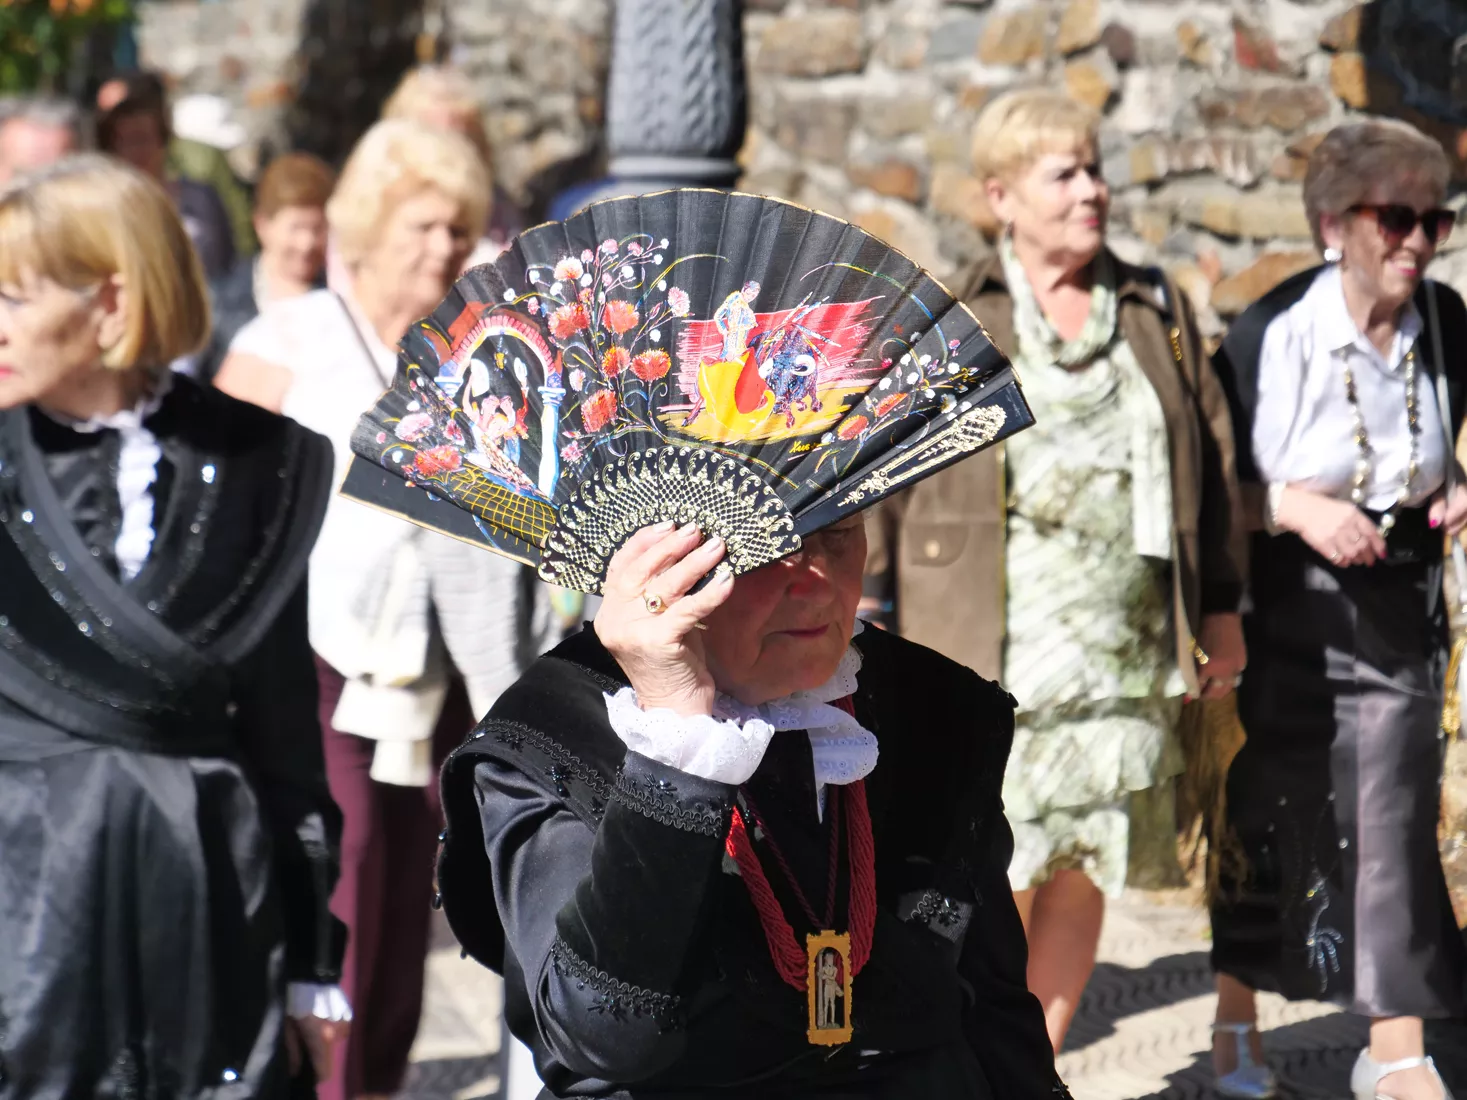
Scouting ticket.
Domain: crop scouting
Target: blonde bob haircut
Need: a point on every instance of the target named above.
(1016, 129)
(87, 218)
(397, 160)
(429, 92)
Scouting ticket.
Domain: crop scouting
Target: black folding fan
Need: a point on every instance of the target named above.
(695, 355)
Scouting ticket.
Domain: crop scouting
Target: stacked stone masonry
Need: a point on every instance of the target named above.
(864, 107)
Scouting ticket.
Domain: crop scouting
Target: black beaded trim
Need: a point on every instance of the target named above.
(194, 540)
(53, 672)
(206, 629)
(937, 907)
(615, 997)
(53, 572)
(608, 684)
(564, 767)
(945, 917)
(658, 799)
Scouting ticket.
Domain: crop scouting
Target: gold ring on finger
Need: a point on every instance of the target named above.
(656, 605)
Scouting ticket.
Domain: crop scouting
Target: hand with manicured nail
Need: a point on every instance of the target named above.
(1451, 511)
(649, 615)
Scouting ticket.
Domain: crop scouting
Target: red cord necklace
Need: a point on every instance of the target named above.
(830, 960)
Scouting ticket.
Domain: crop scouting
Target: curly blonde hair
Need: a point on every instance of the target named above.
(395, 160)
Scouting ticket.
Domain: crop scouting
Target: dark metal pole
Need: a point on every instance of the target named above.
(676, 99)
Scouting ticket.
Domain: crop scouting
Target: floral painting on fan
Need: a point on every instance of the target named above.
(781, 343)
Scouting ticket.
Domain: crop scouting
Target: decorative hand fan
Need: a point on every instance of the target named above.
(741, 362)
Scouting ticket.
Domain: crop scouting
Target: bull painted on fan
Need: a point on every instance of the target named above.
(788, 360)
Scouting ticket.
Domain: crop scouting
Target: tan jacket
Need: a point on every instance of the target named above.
(937, 549)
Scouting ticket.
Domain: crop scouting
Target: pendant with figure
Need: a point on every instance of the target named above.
(829, 985)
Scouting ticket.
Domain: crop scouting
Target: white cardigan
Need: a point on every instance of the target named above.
(386, 597)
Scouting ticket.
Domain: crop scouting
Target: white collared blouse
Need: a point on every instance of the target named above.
(1304, 430)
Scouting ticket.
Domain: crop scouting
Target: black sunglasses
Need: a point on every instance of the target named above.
(1399, 221)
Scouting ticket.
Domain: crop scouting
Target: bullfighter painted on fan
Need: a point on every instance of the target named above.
(678, 835)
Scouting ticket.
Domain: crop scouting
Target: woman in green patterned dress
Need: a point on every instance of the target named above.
(1079, 566)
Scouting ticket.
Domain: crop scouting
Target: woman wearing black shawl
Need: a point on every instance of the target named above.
(167, 842)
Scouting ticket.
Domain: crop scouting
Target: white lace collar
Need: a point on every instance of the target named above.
(728, 745)
(844, 750)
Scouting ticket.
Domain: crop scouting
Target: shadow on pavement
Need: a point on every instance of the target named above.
(1313, 1059)
(444, 1080)
(1116, 992)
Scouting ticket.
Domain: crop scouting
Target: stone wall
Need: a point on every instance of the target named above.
(304, 74)
(541, 65)
(1210, 107)
(864, 107)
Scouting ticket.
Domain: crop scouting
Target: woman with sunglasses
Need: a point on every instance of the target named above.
(1336, 378)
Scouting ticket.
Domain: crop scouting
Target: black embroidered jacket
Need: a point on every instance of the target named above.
(595, 881)
(167, 838)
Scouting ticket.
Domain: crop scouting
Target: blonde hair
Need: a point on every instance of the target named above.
(1356, 158)
(88, 217)
(395, 160)
(1016, 129)
(428, 89)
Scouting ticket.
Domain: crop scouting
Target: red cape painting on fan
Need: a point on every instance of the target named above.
(755, 366)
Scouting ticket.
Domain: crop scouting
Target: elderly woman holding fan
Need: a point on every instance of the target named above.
(687, 837)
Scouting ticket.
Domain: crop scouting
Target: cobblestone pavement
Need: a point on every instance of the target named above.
(1142, 1032)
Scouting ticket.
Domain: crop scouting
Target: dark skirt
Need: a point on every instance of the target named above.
(1336, 795)
(141, 937)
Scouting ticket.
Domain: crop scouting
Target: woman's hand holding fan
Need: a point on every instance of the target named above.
(649, 614)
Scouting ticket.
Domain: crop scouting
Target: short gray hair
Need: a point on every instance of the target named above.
(1357, 157)
(51, 112)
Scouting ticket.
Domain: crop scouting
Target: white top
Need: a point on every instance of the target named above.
(375, 578)
(137, 469)
(728, 746)
(1304, 429)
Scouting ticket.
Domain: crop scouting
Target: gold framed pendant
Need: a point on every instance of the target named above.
(828, 982)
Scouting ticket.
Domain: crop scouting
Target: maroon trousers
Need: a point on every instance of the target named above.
(384, 895)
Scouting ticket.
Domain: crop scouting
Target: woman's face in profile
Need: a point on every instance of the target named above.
(786, 625)
(1057, 206)
(49, 334)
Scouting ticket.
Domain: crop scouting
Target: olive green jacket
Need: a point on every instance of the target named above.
(936, 558)
(193, 160)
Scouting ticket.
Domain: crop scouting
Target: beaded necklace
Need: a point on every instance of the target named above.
(1362, 441)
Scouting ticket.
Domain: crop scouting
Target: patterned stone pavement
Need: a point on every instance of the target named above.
(1142, 1032)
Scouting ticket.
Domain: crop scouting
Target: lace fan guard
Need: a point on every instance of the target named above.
(732, 360)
